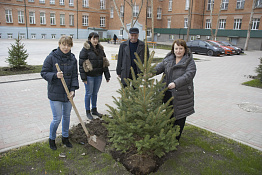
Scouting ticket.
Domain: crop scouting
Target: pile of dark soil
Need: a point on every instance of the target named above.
(133, 162)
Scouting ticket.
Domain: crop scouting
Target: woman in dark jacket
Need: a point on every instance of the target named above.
(179, 69)
(59, 102)
(92, 64)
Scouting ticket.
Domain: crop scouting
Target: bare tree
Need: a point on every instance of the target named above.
(211, 17)
(218, 19)
(249, 26)
(132, 4)
(189, 19)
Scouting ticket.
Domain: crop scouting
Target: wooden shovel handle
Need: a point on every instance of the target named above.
(72, 102)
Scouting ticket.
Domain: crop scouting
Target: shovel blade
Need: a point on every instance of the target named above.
(97, 143)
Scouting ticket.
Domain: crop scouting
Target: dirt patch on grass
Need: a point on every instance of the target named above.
(133, 162)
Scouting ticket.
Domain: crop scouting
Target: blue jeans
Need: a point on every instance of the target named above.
(59, 110)
(92, 88)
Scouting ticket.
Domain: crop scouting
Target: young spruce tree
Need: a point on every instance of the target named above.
(140, 120)
(17, 55)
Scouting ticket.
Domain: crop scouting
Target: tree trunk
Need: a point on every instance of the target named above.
(152, 17)
(189, 19)
(118, 13)
(249, 26)
(211, 19)
(218, 19)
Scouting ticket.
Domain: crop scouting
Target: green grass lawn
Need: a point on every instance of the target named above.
(253, 83)
(24, 70)
(199, 152)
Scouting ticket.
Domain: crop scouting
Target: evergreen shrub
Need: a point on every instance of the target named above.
(140, 121)
(17, 54)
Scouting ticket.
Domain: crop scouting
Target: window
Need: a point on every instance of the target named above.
(237, 24)
(20, 17)
(187, 5)
(102, 21)
(224, 5)
(33, 36)
(159, 13)
(41, 1)
(259, 4)
(185, 22)
(240, 4)
(85, 20)
(85, 3)
(121, 31)
(8, 16)
(32, 17)
(71, 20)
(52, 1)
(209, 4)
(148, 32)
(62, 19)
(61, 2)
(135, 10)
(170, 3)
(22, 35)
(31, 0)
(168, 22)
(10, 36)
(112, 12)
(42, 18)
(171, 37)
(255, 24)
(43, 36)
(149, 12)
(52, 18)
(53, 36)
(71, 2)
(121, 11)
(208, 24)
(222, 24)
(102, 4)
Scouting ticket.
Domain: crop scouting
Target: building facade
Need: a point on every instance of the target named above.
(49, 19)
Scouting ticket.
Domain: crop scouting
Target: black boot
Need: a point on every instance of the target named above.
(88, 114)
(94, 112)
(52, 144)
(66, 142)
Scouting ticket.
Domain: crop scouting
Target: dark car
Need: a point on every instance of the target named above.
(238, 49)
(199, 46)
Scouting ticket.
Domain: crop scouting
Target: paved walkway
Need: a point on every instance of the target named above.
(222, 103)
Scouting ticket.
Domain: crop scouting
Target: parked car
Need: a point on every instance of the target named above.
(238, 49)
(199, 46)
(228, 50)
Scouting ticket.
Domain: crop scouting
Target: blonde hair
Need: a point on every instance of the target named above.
(66, 40)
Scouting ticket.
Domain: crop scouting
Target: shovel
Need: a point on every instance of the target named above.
(92, 140)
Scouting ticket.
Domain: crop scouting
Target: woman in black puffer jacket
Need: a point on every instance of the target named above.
(59, 102)
(179, 69)
(92, 64)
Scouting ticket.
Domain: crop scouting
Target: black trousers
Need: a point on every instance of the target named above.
(180, 122)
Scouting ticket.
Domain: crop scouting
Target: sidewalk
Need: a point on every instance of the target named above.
(219, 98)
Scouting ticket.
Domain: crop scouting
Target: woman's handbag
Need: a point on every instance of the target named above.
(87, 66)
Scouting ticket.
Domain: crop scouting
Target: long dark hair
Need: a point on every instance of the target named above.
(179, 42)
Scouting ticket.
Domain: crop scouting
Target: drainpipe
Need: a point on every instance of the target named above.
(26, 21)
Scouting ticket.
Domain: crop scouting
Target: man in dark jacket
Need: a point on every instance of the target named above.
(126, 55)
